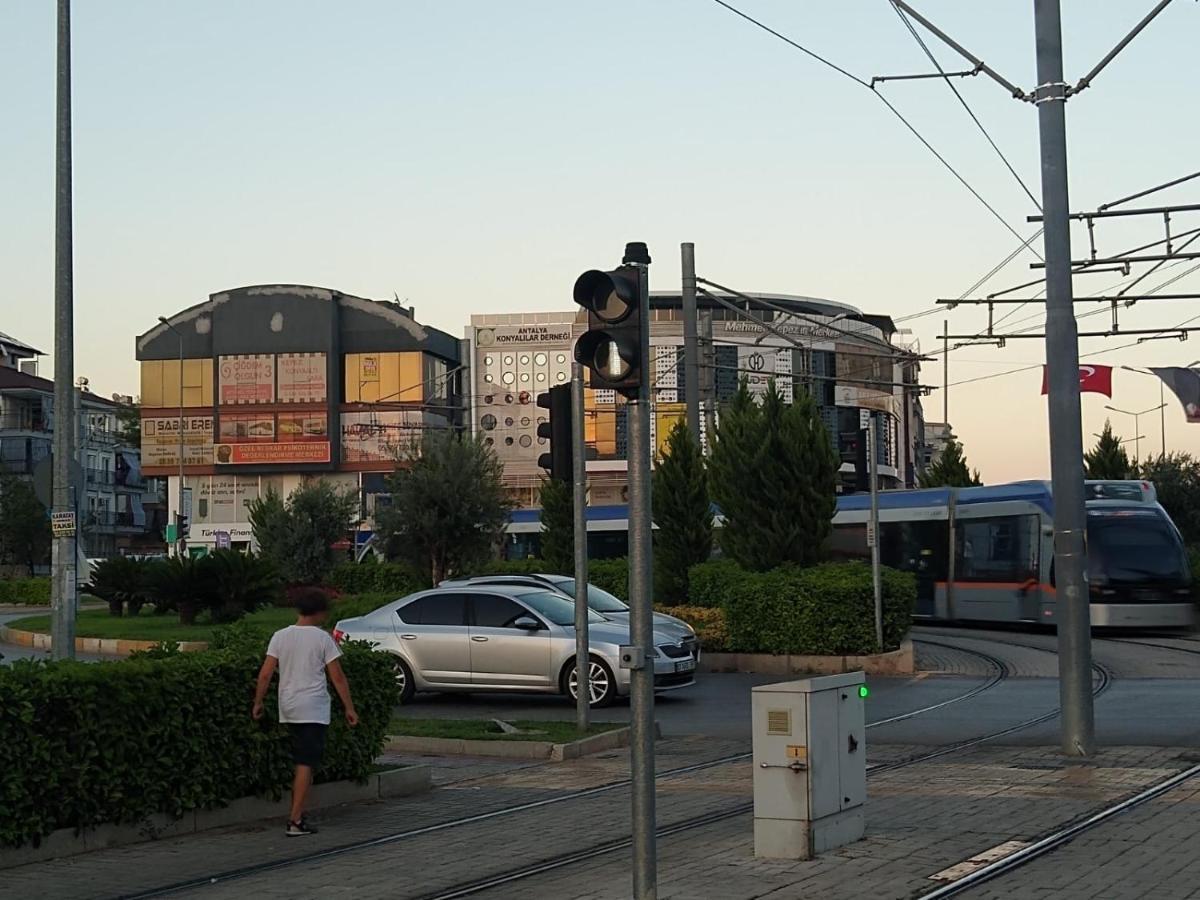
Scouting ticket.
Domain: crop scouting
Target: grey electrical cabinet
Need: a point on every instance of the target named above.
(810, 765)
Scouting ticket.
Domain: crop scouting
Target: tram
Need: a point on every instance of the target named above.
(1001, 568)
(986, 553)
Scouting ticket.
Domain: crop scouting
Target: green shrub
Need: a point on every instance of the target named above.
(713, 582)
(612, 575)
(240, 584)
(25, 591)
(397, 579)
(86, 743)
(507, 567)
(711, 627)
(824, 610)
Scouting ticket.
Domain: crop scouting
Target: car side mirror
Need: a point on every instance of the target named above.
(527, 623)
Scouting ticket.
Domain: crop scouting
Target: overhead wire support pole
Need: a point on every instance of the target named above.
(1078, 734)
(1160, 187)
(962, 51)
(691, 349)
(64, 564)
(965, 73)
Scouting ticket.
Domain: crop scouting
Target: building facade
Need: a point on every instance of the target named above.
(268, 386)
(116, 505)
(850, 362)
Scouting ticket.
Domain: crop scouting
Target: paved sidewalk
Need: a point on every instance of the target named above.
(922, 819)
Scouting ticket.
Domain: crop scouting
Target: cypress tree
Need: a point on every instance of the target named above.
(558, 526)
(683, 514)
(1108, 459)
(951, 469)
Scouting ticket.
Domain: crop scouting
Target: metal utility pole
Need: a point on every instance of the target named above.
(1062, 359)
(63, 562)
(179, 545)
(641, 624)
(1137, 425)
(946, 373)
(708, 379)
(691, 349)
(583, 689)
(876, 577)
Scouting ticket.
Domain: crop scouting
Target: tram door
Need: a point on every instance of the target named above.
(920, 548)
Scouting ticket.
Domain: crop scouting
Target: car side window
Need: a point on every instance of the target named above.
(494, 611)
(435, 609)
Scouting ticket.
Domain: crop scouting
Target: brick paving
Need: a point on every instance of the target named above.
(921, 819)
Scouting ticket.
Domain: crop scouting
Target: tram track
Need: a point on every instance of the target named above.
(999, 672)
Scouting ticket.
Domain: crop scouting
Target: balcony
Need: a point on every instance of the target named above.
(107, 521)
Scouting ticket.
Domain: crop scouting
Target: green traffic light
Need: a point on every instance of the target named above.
(864, 691)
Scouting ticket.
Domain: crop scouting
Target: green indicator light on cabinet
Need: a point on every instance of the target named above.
(864, 691)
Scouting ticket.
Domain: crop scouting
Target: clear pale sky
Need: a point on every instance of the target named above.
(475, 156)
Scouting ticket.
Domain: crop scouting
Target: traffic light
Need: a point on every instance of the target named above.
(612, 346)
(181, 525)
(557, 431)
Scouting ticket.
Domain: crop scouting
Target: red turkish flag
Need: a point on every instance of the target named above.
(1092, 379)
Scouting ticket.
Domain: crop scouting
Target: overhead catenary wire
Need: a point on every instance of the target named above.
(958, 94)
(882, 99)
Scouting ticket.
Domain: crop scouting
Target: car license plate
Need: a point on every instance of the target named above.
(686, 665)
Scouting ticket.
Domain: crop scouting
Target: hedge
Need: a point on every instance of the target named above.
(25, 591)
(87, 743)
(710, 624)
(396, 579)
(823, 610)
(712, 582)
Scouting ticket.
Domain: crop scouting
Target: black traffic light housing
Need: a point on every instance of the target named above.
(557, 430)
(611, 348)
(181, 525)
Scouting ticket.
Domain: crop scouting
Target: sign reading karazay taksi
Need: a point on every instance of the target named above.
(509, 335)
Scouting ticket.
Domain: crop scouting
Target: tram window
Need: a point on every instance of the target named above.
(1003, 548)
(849, 542)
(914, 547)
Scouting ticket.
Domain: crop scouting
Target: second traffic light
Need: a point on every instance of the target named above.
(556, 430)
(612, 346)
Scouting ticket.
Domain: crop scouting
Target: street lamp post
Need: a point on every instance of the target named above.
(1162, 404)
(1137, 434)
(179, 492)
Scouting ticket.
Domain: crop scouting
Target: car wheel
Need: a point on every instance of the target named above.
(603, 685)
(404, 679)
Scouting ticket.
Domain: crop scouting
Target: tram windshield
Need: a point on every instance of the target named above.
(1135, 546)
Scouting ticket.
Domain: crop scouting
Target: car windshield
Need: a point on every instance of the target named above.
(556, 609)
(1128, 548)
(598, 599)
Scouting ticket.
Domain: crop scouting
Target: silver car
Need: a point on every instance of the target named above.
(505, 638)
(598, 599)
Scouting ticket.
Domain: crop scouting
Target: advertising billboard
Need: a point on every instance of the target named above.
(302, 377)
(378, 437)
(160, 441)
(263, 454)
(248, 378)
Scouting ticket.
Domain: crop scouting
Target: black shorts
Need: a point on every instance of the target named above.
(308, 742)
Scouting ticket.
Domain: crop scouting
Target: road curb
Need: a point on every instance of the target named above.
(430, 746)
(895, 662)
(108, 646)
(66, 842)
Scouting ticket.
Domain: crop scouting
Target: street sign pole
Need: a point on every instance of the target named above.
(583, 690)
(641, 622)
(873, 530)
(1062, 359)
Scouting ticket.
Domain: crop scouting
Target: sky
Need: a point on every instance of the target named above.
(474, 157)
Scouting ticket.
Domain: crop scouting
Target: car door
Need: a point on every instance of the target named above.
(434, 637)
(503, 655)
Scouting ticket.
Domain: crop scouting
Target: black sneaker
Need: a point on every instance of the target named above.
(299, 829)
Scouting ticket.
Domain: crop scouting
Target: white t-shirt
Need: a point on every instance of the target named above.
(303, 652)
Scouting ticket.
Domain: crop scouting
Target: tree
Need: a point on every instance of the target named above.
(773, 475)
(951, 469)
(25, 536)
(449, 506)
(683, 514)
(129, 424)
(558, 526)
(1108, 459)
(297, 535)
(1176, 479)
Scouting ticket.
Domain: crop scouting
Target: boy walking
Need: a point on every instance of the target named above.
(304, 653)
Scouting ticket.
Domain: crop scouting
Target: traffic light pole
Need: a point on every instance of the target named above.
(1062, 359)
(645, 885)
(583, 690)
(63, 549)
